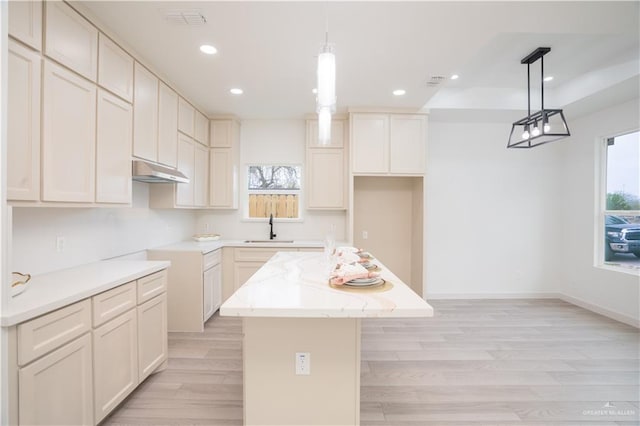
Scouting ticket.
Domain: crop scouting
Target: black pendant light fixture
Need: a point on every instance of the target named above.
(544, 126)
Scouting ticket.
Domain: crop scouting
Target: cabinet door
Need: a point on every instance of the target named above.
(326, 183)
(145, 114)
(57, 389)
(338, 129)
(201, 176)
(115, 362)
(370, 142)
(68, 136)
(167, 126)
(243, 271)
(113, 145)
(408, 138)
(201, 129)
(186, 117)
(152, 335)
(223, 179)
(208, 283)
(115, 69)
(217, 287)
(222, 133)
(71, 39)
(25, 22)
(23, 123)
(186, 164)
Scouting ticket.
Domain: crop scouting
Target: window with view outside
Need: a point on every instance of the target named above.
(274, 189)
(622, 202)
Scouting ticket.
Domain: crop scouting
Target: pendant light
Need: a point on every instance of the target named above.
(326, 98)
(544, 126)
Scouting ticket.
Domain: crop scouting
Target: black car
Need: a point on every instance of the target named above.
(621, 237)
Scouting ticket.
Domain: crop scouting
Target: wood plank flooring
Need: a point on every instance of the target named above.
(477, 362)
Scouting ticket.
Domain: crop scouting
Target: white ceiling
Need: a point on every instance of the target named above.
(269, 49)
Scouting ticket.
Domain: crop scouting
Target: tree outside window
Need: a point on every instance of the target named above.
(274, 190)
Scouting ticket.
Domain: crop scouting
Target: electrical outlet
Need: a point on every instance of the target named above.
(60, 244)
(206, 227)
(365, 235)
(303, 363)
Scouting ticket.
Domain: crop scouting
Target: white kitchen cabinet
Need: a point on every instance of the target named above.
(68, 136)
(326, 183)
(58, 388)
(224, 138)
(71, 40)
(152, 335)
(145, 114)
(25, 22)
(115, 68)
(201, 176)
(388, 144)
(115, 362)
(167, 126)
(113, 146)
(186, 117)
(23, 122)
(338, 134)
(185, 192)
(208, 282)
(408, 137)
(201, 131)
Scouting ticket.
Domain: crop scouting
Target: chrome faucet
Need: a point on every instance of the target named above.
(271, 234)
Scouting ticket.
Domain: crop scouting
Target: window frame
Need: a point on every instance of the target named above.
(244, 197)
(601, 206)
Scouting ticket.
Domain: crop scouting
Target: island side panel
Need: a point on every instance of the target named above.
(275, 395)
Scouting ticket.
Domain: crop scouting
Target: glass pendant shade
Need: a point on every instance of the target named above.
(327, 78)
(324, 126)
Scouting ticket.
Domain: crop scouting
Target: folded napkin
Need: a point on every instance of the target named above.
(347, 272)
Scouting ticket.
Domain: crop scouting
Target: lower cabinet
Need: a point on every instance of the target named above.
(212, 290)
(152, 335)
(115, 362)
(73, 366)
(58, 388)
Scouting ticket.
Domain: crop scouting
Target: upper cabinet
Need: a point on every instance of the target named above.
(25, 22)
(71, 40)
(68, 136)
(115, 69)
(167, 126)
(201, 131)
(224, 158)
(388, 143)
(145, 114)
(223, 133)
(23, 123)
(186, 117)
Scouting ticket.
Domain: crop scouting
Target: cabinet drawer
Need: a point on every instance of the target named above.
(151, 286)
(211, 259)
(45, 333)
(112, 303)
(246, 254)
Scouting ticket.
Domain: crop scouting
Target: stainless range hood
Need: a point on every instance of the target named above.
(144, 171)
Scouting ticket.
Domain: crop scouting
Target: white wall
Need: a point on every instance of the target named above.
(583, 282)
(491, 221)
(93, 234)
(263, 142)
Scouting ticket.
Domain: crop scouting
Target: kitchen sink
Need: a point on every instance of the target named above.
(269, 241)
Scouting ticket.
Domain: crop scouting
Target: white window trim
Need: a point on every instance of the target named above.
(601, 204)
(244, 194)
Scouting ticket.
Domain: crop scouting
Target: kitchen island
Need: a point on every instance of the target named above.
(289, 308)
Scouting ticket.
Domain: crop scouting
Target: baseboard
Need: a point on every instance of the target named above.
(601, 310)
(437, 296)
(569, 299)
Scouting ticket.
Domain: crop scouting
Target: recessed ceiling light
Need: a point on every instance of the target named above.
(314, 91)
(455, 77)
(208, 49)
(548, 78)
(236, 91)
(399, 92)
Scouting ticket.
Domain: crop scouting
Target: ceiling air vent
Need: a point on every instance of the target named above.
(435, 80)
(185, 16)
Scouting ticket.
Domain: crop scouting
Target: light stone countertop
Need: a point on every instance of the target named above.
(54, 290)
(295, 284)
(209, 246)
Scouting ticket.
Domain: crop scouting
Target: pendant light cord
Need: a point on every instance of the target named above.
(326, 33)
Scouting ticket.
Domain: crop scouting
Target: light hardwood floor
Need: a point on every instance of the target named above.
(476, 362)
